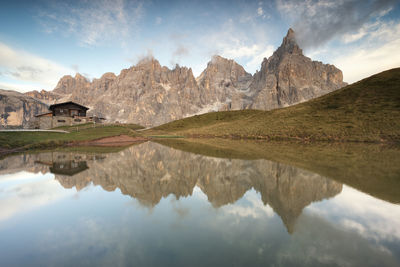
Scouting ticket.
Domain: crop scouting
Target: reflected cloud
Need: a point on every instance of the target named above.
(372, 218)
(22, 192)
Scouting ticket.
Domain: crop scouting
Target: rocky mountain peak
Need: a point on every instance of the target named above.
(148, 63)
(69, 84)
(222, 68)
(78, 76)
(289, 44)
(108, 76)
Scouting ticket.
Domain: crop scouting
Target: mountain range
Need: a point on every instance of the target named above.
(150, 94)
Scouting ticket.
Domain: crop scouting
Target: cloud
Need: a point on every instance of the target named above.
(23, 192)
(158, 20)
(250, 205)
(241, 43)
(365, 62)
(260, 11)
(241, 51)
(180, 52)
(92, 22)
(141, 58)
(255, 61)
(317, 22)
(378, 52)
(75, 67)
(370, 217)
(22, 67)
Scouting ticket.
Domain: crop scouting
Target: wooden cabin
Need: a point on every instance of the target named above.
(61, 114)
(70, 109)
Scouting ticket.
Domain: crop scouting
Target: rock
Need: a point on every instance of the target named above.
(45, 96)
(223, 83)
(17, 110)
(288, 77)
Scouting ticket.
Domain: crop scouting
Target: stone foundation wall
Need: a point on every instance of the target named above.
(46, 122)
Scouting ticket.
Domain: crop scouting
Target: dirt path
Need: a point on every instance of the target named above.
(120, 140)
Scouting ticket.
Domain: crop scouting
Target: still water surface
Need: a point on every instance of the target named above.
(152, 205)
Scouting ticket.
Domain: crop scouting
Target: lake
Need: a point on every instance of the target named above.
(202, 203)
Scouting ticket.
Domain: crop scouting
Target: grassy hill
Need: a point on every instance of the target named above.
(366, 111)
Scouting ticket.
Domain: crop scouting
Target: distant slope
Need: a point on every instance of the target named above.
(368, 110)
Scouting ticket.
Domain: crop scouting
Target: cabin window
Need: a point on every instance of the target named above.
(60, 120)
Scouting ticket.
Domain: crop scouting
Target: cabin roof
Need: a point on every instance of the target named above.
(67, 103)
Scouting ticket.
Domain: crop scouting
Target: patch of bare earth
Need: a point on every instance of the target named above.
(120, 140)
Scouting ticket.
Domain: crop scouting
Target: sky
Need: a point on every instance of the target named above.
(43, 40)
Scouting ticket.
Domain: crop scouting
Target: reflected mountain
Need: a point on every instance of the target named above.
(371, 168)
(149, 172)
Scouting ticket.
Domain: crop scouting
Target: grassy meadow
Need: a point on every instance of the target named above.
(83, 132)
(366, 111)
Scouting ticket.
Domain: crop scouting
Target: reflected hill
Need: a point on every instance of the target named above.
(149, 172)
(371, 168)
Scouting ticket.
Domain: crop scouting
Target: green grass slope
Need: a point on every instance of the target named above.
(38, 140)
(366, 111)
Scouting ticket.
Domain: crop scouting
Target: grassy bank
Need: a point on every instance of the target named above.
(366, 111)
(371, 168)
(85, 132)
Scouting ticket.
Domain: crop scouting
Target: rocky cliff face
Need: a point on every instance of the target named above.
(47, 97)
(150, 94)
(223, 84)
(288, 77)
(17, 110)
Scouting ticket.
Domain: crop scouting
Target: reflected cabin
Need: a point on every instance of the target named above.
(64, 114)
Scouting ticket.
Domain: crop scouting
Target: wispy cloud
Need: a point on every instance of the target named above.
(180, 52)
(92, 22)
(21, 67)
(377, 52)
(371, 217)
(23, 192)
(241, 44)
(316, 22)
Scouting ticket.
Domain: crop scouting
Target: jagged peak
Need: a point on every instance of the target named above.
(222, 61)
(289, 43)
(216, 59)
(290, 34)
(108, 75)
(80, 76)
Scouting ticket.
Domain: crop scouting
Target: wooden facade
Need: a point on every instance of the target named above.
(69, 109)
(62, 114)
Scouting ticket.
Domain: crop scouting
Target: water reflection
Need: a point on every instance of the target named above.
(150, 172)
(151, 205)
